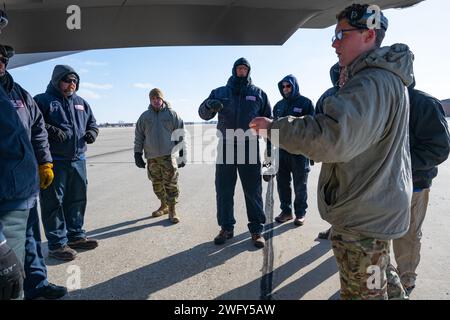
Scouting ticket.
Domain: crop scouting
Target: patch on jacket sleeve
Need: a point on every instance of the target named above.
(250, 98)
(55, 105)
(79, 107)
(17, 103)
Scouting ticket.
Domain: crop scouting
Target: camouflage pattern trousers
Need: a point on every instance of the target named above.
(364, 266)
(163, 173)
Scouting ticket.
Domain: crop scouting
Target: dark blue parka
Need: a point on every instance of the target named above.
(334, 76)
(72, 114)
(242, 102)
(19, 179)
(429, 138)
(31, 118)
(295, 105)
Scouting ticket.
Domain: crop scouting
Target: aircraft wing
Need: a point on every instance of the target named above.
(41, 25)
(24, 59)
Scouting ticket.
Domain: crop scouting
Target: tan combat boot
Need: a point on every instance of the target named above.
(163, 209)
(172, 214)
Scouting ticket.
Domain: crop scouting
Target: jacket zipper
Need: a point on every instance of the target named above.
(74, 126)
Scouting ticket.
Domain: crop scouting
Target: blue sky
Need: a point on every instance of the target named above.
(116, 82)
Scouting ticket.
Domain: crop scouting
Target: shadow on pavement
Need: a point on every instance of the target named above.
(141, 283)
(107, 232)
(298, 288)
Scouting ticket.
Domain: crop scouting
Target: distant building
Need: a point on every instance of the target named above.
(446, 106)
(123, 124)
(120, 124)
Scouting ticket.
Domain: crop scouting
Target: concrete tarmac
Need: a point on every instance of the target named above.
(140, 257)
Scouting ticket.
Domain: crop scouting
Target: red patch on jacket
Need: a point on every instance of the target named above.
(18, 103)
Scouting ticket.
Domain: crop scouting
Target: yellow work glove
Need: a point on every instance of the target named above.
(46, 174)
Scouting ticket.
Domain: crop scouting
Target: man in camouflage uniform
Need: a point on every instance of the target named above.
(154, 132)
(361, 138)
(394, 288)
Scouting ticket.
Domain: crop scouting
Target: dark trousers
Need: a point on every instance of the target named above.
(35, 268)
(250, 176)
(63, 203)
(14, 225)
(298, 167)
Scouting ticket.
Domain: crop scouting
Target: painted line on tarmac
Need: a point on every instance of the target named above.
(108, 153)
(267, 270)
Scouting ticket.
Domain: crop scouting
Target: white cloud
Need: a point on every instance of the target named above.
(182, 100)
(67, 59)
(82, 71)
(23, 68)
(96, 63)
(88, 94)
(141, 85)
(90, 85)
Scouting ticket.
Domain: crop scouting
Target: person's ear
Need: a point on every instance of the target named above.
(370, 36)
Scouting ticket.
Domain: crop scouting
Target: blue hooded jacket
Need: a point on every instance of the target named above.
(295, 105)
(334, 76)
(242, 102)
(429, 138)
(72, 114)
(19, 181)
(31, 118)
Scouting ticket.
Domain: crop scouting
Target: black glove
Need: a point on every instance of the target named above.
(55, 134)
(140, 163)
(11, 274)
(267, 175)
(214, 105)
(90, 136)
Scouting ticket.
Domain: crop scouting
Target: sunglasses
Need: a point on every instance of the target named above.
(4, 60)
(286, 86)
(340, 34)
(70, 80)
